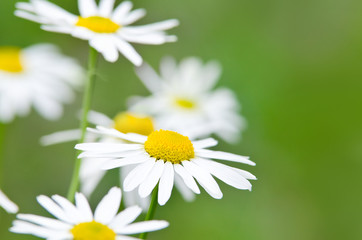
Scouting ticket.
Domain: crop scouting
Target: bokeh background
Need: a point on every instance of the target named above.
(296, 67)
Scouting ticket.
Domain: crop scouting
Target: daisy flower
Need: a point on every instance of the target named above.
(6, 204)
(75, 222)
(38, 76)
(106, 29)
(91, 171)
(162, 157)
(182, 98)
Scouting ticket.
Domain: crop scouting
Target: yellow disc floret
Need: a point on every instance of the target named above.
(185, 103)
(92, 231)
(10, 59)
(130, 123)
(98, 24)
(169, 146)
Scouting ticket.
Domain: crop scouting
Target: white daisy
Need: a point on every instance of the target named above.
(107, 30)
(6, 204)
(165, 156)
(76, 222)
(91, 171)
(38, 76)
(182, 98)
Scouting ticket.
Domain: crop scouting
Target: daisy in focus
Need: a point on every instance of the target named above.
(75, 222)
(163, 156)
(106, 29)
(38, 76)
(7, 204)
(91, 171)
(182, 98)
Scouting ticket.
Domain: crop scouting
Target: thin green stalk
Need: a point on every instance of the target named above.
(87, 97)
(2, 150)
(151, 211)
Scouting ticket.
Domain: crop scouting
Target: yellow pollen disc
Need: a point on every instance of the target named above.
(185, 103)
(169, 146)
(10, 59)
(98, 24)
(92, 231)
(130, 123)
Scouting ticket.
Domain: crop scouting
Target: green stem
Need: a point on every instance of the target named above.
(87, 97)
(151, 211)
(2, 149)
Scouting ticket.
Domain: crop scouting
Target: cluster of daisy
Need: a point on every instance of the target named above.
(159, 142)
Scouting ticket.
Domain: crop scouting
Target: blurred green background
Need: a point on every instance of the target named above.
(296, 67)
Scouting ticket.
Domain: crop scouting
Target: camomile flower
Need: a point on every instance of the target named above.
(106, 29)
(38, 76)
(165, 155)
(91, 171)
(7, 204)
(76, 222)
(183, 98)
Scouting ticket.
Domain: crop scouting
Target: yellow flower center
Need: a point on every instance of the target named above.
(10, 59)
(130, 123)
(185, 103)
(92, 231)
(98, 24)
(169, 146)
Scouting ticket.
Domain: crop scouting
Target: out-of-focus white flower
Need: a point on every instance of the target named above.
(164, 156)
(38, 76)
(6, 204)
(91, 171)
(78, 222)
(182, 98)
(106, 29)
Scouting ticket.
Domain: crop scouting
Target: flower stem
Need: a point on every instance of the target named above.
(151, 211)
(87, 97)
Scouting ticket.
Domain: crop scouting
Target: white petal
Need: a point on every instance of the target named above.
(205, 143)
(125, 217)
(29, 16)
(106, 7)
(53, 208)
(223, 156)
(166, 184)
(105, 45)
(8, 205)
(204, 178)
(224, 173)
(108, 207)
(53, 12)
(136, 159)
(128, 51)
(100, 119)
(149, 38)
(83, 207)
(152, 179)
(60, 137)
(187, 178)
(107, 147)
(115, 133)
(154, 27)
(137, 175)
(245, 174)
(87, 8)
(133, 16)
(149, 78)
(140, 227)
(185, 191)
(121, 11)
(44, 221)
(70, 210)
(36, 230)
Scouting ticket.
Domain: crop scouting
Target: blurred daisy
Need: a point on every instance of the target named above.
(106, 29)
(91, 171)
(164, 156)
(38, 76)
(182, 98)
(6, 204)
(78, 222)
